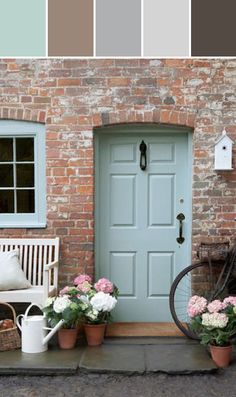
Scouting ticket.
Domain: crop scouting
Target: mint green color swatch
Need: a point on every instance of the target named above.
(22, 28)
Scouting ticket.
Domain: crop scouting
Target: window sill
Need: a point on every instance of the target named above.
(24, 226)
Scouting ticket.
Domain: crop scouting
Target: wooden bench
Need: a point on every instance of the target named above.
(39, 261)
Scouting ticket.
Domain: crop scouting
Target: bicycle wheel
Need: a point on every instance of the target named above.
(198, 279)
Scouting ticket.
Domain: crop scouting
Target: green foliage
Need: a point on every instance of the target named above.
(72, 315)
(115, 291)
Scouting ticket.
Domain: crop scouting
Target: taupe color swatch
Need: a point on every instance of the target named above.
(213, 28)
(70, 27)
(118, 27)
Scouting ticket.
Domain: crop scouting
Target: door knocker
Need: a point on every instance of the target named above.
(143, 156)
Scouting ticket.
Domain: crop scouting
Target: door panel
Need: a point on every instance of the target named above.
(161, 200)
(161, 152)
(122, 191)
(160, 268)
(124, 263)
(136, 215)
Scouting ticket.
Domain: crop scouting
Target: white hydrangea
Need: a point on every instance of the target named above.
(103, 302)
(84, 299)
(61, 303)
(92, 314)
(214, 320)
(49, 301)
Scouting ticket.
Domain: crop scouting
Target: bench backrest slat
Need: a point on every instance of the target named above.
(35, 265)
(40, 265)
(25, 258)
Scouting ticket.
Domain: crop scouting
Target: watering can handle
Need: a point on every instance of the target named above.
(29, 307)
(18, 321)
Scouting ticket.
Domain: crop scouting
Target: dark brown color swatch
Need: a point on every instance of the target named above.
(213, 28)
(70, 27)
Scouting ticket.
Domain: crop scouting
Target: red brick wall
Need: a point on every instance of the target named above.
(74, 96)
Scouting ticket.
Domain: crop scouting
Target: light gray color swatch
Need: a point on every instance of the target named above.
(166, 28)
(118, 28)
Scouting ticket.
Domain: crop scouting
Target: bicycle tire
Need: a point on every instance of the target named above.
(183, 288)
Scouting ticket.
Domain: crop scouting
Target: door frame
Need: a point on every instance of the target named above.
(143, 129)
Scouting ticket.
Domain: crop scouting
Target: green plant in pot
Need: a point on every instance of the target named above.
(67, 308)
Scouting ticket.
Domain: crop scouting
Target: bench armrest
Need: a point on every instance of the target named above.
(47, 278)
(51, 265)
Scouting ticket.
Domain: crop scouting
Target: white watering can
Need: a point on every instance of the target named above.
(34, 331)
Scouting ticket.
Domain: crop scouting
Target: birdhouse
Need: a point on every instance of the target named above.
(223, 153)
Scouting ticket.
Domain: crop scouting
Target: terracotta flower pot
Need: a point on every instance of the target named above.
(94, 333)
(67, 338)
(221, 355)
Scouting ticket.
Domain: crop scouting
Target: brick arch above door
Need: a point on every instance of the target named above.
(22, 114)
(163, 116)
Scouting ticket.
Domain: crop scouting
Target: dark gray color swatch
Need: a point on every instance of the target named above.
(118, 28)
(213, 28)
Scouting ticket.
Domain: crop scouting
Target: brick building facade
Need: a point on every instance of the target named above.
(72, 97)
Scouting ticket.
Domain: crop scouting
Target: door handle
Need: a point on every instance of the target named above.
(180, 217)
(143, 156)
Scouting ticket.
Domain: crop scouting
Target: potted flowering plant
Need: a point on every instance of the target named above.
(215, 323)
(96, 303)
(67, 308)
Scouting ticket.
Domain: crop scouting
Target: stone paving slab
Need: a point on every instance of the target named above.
(51, 362)
(113, 359)
(178, 359)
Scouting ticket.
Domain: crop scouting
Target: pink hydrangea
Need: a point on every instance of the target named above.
(104, 285)
(64, 290)
(196, 305)
(230, 300)
(84, 287)
(82, 278)
(216, 306)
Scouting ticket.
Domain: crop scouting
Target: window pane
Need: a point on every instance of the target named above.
(25, 175)
(24, 149)
(6, 149)
(6, 175)
(25, 201)
(6, 201)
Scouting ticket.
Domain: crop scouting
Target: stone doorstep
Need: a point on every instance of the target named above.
(127, 357)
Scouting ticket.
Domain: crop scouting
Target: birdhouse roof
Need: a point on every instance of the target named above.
(224, 136)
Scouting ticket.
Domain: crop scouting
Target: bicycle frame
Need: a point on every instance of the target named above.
(230, 263)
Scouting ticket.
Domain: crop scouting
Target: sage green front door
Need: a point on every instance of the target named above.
(136, 225)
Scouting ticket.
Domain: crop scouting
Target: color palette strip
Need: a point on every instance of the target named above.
(117, 28)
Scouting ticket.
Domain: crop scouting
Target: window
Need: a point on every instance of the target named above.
(22, 174)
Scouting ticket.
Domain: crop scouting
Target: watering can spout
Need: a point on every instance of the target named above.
(52, 331)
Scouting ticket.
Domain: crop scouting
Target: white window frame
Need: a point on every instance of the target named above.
(23, 129)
